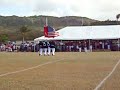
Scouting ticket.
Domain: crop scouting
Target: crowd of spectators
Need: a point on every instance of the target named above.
(67, 46)
(9, 47)
(14, 47)
(88, 45)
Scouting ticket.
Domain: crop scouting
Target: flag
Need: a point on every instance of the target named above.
(45, 31)
(50, 32)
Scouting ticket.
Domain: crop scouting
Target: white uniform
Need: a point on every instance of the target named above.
(49, 49)
(40, 48)
(80, 49)
(103, 45)
(90, 48)
(85, 49)
(53, 47)
(108, 47)
(45, 47)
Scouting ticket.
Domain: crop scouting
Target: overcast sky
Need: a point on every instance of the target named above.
(95, 9)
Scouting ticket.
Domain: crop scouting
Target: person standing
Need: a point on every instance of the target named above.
(40, 48)
(103, 45)
(52, 46)
(85, 46)
(48, 47)
(80, 47)
(90, 47)
(45, 47)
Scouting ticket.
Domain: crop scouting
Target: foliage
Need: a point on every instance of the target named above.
(10, 25)
(23, 30)
(106, 23)
(3, 38)
(117, 16)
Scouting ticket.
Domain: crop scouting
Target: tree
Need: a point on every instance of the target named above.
(117, 16)
(24, 30)
(3, 38)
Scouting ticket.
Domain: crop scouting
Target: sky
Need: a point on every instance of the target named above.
(94, 9)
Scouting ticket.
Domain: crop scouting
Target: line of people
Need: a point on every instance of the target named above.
(9, 47)
(46, 48)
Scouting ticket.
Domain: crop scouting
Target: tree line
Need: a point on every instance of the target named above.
(28, 28)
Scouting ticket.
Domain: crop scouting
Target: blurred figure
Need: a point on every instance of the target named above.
(40, 48)
(48, 47)
(52, 46)
(90, 48)
(85, 46)
(80, 47)
(45, 47)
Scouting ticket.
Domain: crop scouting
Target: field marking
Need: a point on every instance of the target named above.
(100, 84)
(9, 73)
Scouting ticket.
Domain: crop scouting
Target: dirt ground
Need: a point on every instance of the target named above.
(74, 71)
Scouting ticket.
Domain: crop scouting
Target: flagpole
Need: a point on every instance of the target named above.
(46, 22)
(118, 43)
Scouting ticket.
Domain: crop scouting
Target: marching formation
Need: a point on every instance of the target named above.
(46, 48)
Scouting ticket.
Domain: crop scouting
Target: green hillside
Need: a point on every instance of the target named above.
(10, 25)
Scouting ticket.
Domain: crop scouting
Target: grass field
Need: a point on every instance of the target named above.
(73, 71)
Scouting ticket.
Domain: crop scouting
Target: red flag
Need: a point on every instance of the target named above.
(45, 31)
(50, 32)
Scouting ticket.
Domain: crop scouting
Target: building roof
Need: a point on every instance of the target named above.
(86, 32)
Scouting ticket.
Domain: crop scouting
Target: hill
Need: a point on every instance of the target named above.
(10, 25)
(39, 21)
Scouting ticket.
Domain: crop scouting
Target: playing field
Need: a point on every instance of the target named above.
(64, 71)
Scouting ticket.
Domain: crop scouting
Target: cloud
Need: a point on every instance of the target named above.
(96, 9)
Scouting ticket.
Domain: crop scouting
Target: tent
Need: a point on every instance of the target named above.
(86, 32)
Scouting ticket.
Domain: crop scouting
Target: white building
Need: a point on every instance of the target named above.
(90, 33)
(86, 32)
